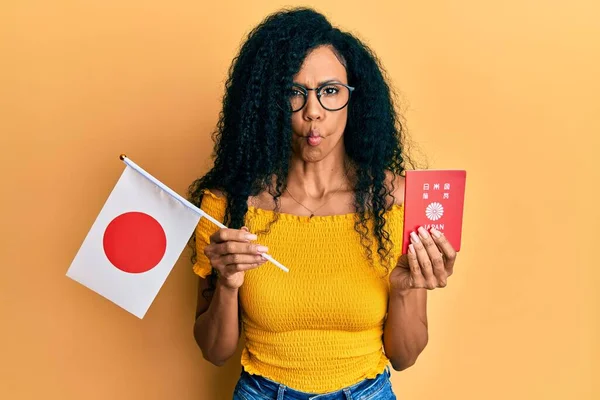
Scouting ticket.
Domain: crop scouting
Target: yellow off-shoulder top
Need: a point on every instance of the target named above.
(317, 328)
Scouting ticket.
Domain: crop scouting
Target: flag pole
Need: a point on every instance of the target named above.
(202, 213)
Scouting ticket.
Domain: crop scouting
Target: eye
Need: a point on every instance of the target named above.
(296, 92)
(330, 90)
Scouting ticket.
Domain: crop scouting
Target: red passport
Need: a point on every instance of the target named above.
(434, 198)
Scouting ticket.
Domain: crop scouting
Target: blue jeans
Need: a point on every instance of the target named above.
(254, 387)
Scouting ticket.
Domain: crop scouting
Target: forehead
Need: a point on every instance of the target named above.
(321, 65)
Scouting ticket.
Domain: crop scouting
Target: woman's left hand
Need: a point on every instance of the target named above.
(428, 264)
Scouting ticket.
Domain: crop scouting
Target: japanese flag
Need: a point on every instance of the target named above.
(135, 241)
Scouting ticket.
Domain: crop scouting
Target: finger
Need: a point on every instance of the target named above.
(239, 258)
(215, 262)
(435, 257)
(424, 261)
(208, 251)
(246, 267)
(418, 281)
(211, 252)
(231, 235)
(446, 248)
(239, 248)
(233, 268)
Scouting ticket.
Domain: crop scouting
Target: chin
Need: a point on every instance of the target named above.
(312, 158)
(311, 154)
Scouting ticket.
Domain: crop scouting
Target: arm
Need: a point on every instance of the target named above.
(217, 326)
(216, 329)
(405, 330)
(428, 264)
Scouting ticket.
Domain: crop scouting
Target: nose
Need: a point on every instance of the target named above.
(312, 109)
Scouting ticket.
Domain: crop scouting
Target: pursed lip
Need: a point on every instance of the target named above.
(311, 133)
(314, 138)
(314, 133)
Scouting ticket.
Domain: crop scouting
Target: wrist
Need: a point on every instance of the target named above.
(225, 288)
(400, 292)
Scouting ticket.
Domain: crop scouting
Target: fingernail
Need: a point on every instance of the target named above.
(414, 237)
(245, 229)
(251, 236)
(436, 233)
(262, 249)
(423, 232)
(411, 248)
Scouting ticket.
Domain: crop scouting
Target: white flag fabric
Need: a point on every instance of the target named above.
(134, 242)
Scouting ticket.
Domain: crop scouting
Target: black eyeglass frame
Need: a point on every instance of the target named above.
(318, 93)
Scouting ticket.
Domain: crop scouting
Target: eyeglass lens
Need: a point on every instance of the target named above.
(332, 97)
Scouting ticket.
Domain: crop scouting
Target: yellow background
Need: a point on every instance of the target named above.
(507, 90)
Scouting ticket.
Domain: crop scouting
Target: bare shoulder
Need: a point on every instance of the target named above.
(395, 184)
(263, 200)
(219, 193)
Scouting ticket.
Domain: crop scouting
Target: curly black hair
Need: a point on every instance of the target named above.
(254, 135)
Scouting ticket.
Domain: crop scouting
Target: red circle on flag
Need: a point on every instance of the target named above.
(134, 242)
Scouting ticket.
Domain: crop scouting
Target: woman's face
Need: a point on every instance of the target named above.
(318, 132)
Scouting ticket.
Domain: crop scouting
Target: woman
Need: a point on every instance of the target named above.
(308, 168)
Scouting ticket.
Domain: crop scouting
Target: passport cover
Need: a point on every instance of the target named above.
(434, 198)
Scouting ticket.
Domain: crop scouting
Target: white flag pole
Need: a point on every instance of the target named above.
(186, 203)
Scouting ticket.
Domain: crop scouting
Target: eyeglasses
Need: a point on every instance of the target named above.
(332, 96)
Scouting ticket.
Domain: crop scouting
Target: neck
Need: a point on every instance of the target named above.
(317, 179)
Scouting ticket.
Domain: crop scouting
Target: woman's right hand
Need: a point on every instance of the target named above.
(231, 253)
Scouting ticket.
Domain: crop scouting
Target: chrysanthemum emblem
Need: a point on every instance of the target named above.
(434, 211)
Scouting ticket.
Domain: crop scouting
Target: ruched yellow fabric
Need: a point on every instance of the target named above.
(319, 327)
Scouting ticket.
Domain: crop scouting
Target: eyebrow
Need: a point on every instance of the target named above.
(325, 82)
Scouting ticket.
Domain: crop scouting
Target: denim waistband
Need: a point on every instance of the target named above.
(262, 387)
